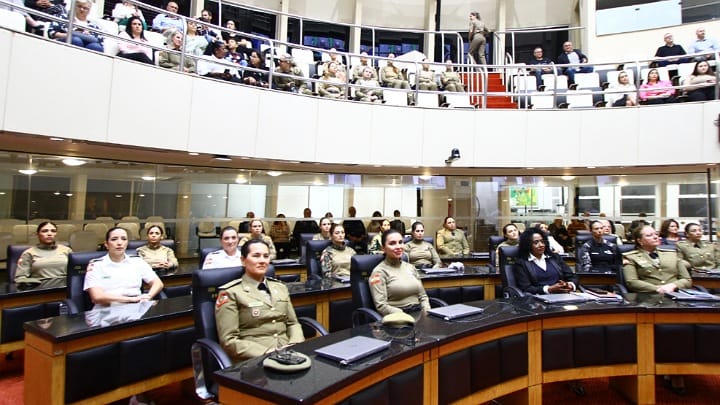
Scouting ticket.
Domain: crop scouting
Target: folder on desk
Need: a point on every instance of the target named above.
(456, 311)
(692, 295)
(568, 298)
(352, 349)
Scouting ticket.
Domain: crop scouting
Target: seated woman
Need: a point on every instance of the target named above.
(45, 260)
(280, 235)
(122, 12)
(622, 94)
(649, 269)
(375, 247)
(257, 229)
(254, 314)
(118, 278)
(700, 86)
(555, 247)
(421, 254)
(450, 241)
(597, 254)
(669, 232)
(367, 88)
(130, 50)
(159, 257)
(656, 91)
(511, 233)
(450, 79)
(256, 73)
(391, 76)
(394, 284)
(696, 253)
(426, 77)
(195, 43)
(537, 270)
(333, 82)
(335, 259)
(324, 234)
(81, 36)
(374, 225)
(229, 255)
(171, 60)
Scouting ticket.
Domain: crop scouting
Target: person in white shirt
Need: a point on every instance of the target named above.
(229, 255)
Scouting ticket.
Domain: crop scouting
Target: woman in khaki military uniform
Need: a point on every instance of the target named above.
(253, 314)
(155, 254)
(394, 284)
(649, 269)
(335, 259)
(421, 254)
(256, 232)
(45, 260)
(694, 252)
(324, 234)
(451, 241)
(376, 243)
(450, 79)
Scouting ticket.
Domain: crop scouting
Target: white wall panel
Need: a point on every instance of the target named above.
(222, 118)
(444, 130)
(710, 143)
(395, 137)
(5, 43)
(344, 127)
(155, 112)
(499, 138)
(602, 131)
(548, 143)
(670, 138)
(57, 90)
(286, 127)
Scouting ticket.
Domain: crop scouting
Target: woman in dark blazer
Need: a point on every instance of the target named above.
(538, 270)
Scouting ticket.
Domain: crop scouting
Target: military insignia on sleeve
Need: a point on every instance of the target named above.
(375, 279)
(222, 299)
(255, 312)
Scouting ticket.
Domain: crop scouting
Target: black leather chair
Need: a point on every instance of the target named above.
(360, 268)
(314, 249)
(207, 354)
(77, 299)
(13, 254)
(508, 255)
(302, 246)
(493, 242)
(204, 252)
(428, 239)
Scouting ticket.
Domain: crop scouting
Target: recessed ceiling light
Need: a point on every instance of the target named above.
(568, 178)
(274, 173)
(56, 193)
(68, 195)
(142, 195)
(426, 177)
(224, 158)
(29, 172)
(57, 139)
(241, 180)
(73, 162)
(118, 195)
(193, 154)
(148, 178)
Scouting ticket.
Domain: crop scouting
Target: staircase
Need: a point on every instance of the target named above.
(473, 82)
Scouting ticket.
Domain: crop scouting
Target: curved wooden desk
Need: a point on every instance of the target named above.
(508, 352)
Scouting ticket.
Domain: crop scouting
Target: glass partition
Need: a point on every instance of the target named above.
(182, 197)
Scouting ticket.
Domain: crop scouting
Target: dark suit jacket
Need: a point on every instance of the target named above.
(528, 283)
(563, 58)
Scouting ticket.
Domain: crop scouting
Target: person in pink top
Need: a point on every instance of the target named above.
(656, 91)
(131, 50)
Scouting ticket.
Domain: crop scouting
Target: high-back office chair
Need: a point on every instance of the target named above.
(77, 299)
(83, 241)
(493, 242)
(134, 244)
(207, 354)
(360, 268)
(508, 255)
(13, 254)
(313, 251)
(302, 246)
(428, 239)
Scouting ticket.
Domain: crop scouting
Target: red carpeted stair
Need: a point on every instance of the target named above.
(495, 85)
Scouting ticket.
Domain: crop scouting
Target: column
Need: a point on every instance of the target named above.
(182, 226)
(499, 46)
(356, 32)
(281, 24)
(78, 188)
(429, 39)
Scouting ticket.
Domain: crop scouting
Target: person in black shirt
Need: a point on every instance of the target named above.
(355, 231)
(304, 226)
(539, 59)
(597, 254)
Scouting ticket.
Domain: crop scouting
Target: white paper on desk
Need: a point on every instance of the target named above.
(116, 314)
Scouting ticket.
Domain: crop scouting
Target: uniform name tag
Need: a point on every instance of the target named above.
(255, 304)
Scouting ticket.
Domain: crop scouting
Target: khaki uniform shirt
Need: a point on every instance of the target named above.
(421, 253)
(251, 322)
(335, 261)
(395, 285)
(705, 256)
(41, 262)
(452, 243)
(266, 239)
(645, 274)
(155, 256)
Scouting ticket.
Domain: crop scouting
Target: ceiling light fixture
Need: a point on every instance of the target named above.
(73, 162)
(273, 173)
(28, 172)
(223, 158)
(568, 178)
(148, 178)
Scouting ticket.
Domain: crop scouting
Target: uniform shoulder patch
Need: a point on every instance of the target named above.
(375, 279)
(222, 299)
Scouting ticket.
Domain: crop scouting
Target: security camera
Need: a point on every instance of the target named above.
(454, 155)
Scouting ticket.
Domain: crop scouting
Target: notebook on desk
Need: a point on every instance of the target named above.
(567, 298)
(342, 279)
(692, 295)
(456, 311)
(439, 270)
(352, 349)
